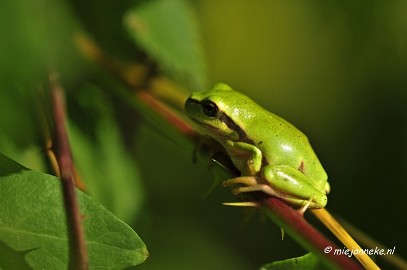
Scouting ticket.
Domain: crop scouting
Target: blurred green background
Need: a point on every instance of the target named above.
(335, 69)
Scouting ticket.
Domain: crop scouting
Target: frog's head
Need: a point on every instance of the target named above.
(217, 111)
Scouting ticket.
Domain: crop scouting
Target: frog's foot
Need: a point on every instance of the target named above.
(252, 184)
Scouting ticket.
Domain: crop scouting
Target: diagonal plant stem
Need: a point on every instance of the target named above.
(78, 258)
(305, 234)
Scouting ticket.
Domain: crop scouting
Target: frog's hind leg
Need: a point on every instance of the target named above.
(255, 184)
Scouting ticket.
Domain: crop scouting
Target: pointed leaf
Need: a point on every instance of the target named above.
(33, 224)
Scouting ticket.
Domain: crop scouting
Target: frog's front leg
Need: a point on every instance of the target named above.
(246, 157)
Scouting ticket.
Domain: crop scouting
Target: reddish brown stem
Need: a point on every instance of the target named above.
(78, 258)
(166, 113)
(305, 234)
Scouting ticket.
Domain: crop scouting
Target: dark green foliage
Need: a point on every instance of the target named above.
(33, 224)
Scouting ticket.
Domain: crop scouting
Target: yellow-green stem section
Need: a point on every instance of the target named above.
(330, 222)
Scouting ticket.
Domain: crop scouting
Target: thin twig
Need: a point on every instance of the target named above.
(133, 74)
(78, 258)
(167, 113)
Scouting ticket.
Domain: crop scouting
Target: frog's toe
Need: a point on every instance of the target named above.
(327, 188)
(304, 208)
(254, 188)
(244, 180)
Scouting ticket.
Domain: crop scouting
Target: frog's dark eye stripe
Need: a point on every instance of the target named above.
(209, 108)
(233, 126)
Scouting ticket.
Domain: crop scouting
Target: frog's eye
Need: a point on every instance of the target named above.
(209, 108)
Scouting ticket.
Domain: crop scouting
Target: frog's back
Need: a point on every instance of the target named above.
(282, 143)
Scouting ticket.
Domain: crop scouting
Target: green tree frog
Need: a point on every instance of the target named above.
(271, 154)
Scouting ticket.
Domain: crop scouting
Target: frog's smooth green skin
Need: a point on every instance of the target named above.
(262, 146)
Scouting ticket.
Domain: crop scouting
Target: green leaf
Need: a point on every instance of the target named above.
(33, 224)
(306, 262)
(167, 30)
